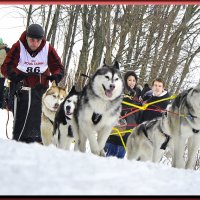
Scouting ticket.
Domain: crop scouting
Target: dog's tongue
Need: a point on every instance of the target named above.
(108, 93)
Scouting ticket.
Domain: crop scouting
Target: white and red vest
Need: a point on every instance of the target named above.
(37, 64)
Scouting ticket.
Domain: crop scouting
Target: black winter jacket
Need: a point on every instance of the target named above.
(147, 115)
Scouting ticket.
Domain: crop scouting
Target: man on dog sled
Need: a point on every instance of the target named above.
(30, 64)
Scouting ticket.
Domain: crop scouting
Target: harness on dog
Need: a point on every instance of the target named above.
(164, 145)
(96, 118)
(50, 121)
(144, 130)
(167, 138)
(70, 132)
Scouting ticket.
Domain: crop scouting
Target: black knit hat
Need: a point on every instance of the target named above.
(35, 31)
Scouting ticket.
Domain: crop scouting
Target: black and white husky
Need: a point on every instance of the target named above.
(64, 127)
(99, 107)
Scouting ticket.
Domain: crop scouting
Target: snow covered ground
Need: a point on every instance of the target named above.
(33, 169)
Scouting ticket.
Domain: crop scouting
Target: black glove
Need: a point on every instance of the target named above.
(57, 78)
(16, 78)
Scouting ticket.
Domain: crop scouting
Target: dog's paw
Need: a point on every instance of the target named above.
(102, 153)
(82, 148)
(96, 152)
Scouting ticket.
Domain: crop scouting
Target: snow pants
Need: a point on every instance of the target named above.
(2, 80)
(27, 114)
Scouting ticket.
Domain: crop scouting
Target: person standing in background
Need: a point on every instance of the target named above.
(2, 78)
(29, 65)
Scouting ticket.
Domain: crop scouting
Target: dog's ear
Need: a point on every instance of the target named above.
(53, 84)
(116, 65)
(73, 90)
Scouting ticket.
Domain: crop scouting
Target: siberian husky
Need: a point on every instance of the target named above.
(182, 124)
(148, 141)
(51, 100)
(185, 127)
(99, 107)
(65, 128)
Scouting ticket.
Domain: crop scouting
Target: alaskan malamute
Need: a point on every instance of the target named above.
(99, 107)
(65, 128)
(51, 100)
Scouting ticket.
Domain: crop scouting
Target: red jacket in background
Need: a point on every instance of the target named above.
(10, 64)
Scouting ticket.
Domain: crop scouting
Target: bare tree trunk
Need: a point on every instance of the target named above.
(99, 37)
(69, 29)
(126, 23)
(29, 15)
(52, 32)
(67, 80)
(87, 19)
(48, 20)
(55, 25)
(108, 53)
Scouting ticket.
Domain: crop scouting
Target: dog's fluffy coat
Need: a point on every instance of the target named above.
(99, 107)
(148, 141)
(65, 128)
(181, 124)
(51, 100)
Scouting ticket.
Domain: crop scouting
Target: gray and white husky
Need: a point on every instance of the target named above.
(181, 124)
(149, 140)
(184, 128)
(64, 127)
(99, 107)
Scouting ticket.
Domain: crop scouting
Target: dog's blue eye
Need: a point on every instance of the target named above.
(107, 77)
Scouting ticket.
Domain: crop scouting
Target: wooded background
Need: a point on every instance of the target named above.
(154, 40)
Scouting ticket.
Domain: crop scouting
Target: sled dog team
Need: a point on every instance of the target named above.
(92, 113)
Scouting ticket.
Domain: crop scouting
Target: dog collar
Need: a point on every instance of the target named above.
(167, 138)
(67, 117)
(145, 132)
(48, 119)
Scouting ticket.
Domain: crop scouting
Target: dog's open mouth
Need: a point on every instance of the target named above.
(68, 113)
(109, 92)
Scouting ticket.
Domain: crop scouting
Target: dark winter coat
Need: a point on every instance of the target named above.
(147, 115)
(10, 64)
(130, 120)
(145, 89)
